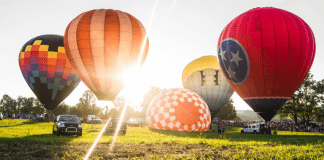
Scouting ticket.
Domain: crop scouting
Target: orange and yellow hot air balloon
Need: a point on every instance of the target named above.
(101, 45)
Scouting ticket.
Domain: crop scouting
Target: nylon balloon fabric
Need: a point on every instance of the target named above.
(46, 70)
(265, 54)
(203, 76)
(178, 109)
(101, 45)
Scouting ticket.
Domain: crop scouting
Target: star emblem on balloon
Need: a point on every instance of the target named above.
(236, 58)
(234, 61)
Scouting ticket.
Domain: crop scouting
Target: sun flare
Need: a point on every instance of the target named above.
(136, 85)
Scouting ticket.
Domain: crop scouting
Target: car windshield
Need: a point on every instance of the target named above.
(69, 118)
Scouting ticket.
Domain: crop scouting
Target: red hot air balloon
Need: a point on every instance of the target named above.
(101, 45)
(180, 110)
(265, 54)
(44, 65)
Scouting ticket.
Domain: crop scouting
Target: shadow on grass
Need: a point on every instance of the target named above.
(23, 123)
(41, 139)
(233, 134)
(112, 133)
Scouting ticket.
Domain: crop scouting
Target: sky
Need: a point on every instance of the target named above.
(179, 31)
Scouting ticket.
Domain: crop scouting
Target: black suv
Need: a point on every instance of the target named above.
(67, 124)
(112, 125)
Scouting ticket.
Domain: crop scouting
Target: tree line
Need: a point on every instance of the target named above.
(20, 105)
(27, 105)
(306, 104)
(87, 106)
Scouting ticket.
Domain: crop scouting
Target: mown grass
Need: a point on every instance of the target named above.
(234, 145)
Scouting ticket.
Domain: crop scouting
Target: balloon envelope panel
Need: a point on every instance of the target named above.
(101, 45)
(44, 65)
(203, 76)
(265, 54)
(212, 86)
(178, 109)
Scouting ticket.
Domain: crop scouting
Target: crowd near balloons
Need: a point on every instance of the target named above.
(263, 55)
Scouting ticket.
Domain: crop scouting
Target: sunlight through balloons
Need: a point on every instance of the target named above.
(101, 45)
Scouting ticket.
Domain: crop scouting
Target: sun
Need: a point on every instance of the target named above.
(136, 85)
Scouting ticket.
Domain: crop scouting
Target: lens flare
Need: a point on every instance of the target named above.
(96, 141)
(124, 109)
(118, 127)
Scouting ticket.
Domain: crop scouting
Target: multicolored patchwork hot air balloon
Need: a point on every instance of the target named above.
(178, 109)
(265, 54)
(43, 63)
(203, 76)
(101, 45)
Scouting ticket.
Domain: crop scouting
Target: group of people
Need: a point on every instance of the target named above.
(13, 116)
(279, 126)
(219, 126)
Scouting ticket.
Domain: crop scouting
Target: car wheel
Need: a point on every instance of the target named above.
(254, 132)
(124, 132)
(242, 132)
(80, 134)
(58, 132)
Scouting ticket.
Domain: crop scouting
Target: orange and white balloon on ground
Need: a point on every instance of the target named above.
(180, 110)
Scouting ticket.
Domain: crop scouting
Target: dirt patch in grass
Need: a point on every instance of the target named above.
(16, 150)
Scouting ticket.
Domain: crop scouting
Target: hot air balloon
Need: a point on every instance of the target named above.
(101, 45)
(203, 76)
(265, 54)
(178, 109)
(43, 63)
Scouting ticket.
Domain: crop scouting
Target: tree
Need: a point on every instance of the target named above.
(8, 105)
(228, 112)
(148, 97)
(119, 105)
(27, 104)
(19, 103)
(75, 111)
(304, 103)
(113, 113)
(319, 116)
(87, 99)
(292, 107)
(61, 109)
(38, 107)
(86, 105)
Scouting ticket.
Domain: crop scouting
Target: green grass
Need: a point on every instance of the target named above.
(234, 145)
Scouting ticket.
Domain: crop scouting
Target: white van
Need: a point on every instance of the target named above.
(252, 128)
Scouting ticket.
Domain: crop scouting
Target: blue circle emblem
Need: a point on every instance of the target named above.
(233, 60)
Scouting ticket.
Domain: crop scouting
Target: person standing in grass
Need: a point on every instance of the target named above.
(213, 125)
(223, 128)
(219, 128)
(92, 121)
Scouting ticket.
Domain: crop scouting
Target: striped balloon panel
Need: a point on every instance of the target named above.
(101, 45)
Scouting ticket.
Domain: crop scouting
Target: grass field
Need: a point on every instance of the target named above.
(25, 139)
